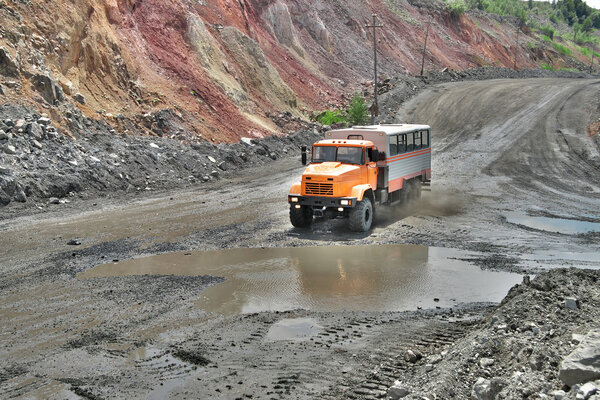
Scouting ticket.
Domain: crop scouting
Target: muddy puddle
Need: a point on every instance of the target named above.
(560, 225)
(295, 329)
(332, 278)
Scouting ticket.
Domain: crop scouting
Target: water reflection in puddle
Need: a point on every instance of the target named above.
(561, 225)
(296, 329)
(334, 278)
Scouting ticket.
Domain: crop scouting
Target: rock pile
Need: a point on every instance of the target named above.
(533, 345)
(38, 162)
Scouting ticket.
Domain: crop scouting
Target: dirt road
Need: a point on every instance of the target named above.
(509, 156)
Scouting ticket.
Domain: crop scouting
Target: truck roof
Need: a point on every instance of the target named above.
(387, 129)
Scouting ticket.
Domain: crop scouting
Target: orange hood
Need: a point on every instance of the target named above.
(332, 169)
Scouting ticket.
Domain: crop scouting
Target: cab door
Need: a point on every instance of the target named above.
(371, 168)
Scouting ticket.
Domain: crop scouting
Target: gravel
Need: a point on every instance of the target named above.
(41, 161)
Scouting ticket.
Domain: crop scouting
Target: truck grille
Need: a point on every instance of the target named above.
(319, 189)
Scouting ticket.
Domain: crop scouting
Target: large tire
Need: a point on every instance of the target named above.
(418, 186)
(301, 217)
(414, 192)
(361, 216)
(405, 193)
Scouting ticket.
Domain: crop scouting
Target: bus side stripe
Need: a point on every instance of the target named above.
(407, 155)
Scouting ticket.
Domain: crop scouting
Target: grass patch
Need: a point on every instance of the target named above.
(546, 38)
(547, 31)
(564, 50)
(588, 53)
(547, 67)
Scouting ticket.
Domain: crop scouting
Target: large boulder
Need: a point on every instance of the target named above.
(485, 389)
(583, 364)
(4, 198)
(8, 66)
(48, 88)
(8, 187)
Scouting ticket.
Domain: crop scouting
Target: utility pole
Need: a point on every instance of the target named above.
(375, 106)
(516, 47)
(425, 45)
(592, 64)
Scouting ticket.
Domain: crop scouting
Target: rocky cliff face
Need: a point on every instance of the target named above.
(225, 66)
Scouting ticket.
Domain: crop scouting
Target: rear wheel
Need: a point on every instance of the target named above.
(361, 216)
(301, 217)
(418, 186)
(415, 190)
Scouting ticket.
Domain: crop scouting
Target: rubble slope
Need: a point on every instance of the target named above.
(225, 67)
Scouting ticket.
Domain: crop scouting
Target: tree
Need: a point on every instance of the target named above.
(357, 111)
(577, 30)
(587, 24)
(596, 19)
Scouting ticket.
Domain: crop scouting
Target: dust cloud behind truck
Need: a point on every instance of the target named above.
(354, 170)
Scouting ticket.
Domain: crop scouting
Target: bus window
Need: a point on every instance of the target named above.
(410, 146)
(418, 139)
(425, 139)
(402, 144)
(393, 145)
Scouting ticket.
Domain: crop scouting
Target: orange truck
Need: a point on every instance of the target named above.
(354, 170)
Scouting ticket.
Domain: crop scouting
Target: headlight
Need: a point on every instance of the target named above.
(345, 202)
(294, 199)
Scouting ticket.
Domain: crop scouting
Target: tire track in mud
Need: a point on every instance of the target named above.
(426, 339)
(335, 362)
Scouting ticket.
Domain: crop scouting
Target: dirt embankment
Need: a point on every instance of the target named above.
(224, 66)
(39, 164)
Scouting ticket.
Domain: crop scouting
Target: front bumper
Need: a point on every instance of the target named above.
(321, 201)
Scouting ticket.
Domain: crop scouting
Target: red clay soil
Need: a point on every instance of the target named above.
(593, 129)
(132, 56)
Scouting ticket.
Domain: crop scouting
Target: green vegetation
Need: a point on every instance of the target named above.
(457, 7)
(329, 117)
(546, 38)
(547, 31)
(357, 111)
(564, 50)
(588, 53)
(550, 68)
(577, 12)
(501, 7)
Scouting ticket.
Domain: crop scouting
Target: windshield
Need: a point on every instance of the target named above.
(347, 155)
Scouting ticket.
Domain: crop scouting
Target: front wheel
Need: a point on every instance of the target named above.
(361, 216)
(301, 217)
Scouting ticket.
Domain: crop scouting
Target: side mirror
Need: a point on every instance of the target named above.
(303, 152)
(381, 156)
(375, 155)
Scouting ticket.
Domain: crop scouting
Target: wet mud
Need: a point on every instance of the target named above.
(326, 278)
(70, 328)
